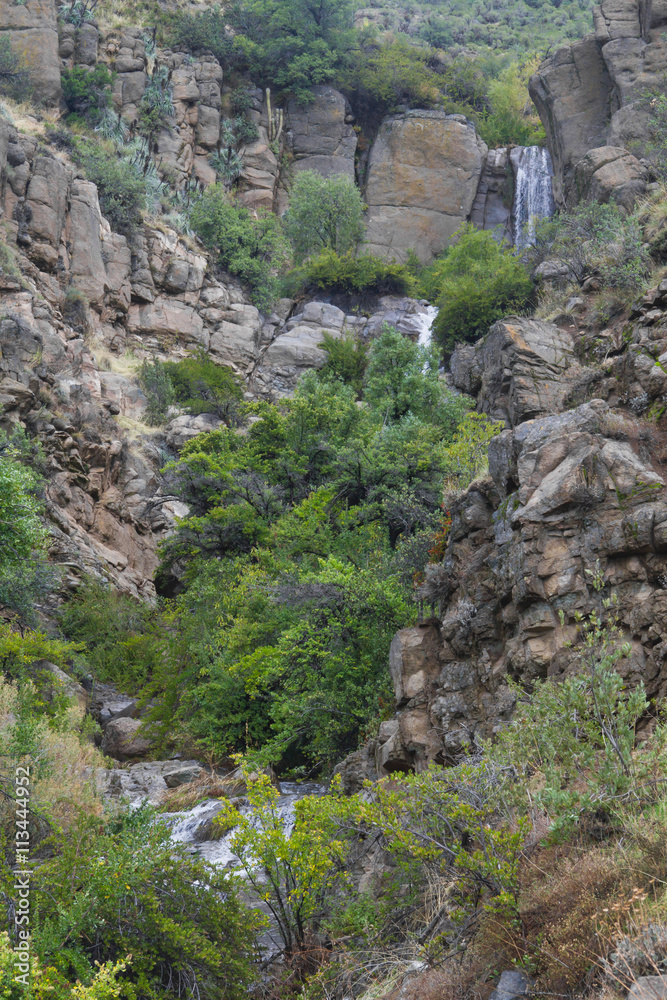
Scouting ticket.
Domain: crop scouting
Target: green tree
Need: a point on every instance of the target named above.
(21, 529)
(325, 213)
(292, 871)
(87, 92)
(476, 282)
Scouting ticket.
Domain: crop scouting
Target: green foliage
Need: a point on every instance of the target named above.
(387, 74)
(347, 358)
(121, 186)
(325, 213)
(156, 109)
(584, 726)
(595, 239)
(87, 92)
(476, 282)
(467, 455)
(291, 45)
(350, 273)
(77, 12)
(206, 30)
(21, 530)
(511, 119)
(201, 386)
(154, 380)
(47, 984)
(403, 378)
(115, 629)
(14, 77)
(292, 589)
(250, 246)
(124, 888)
(291, 872)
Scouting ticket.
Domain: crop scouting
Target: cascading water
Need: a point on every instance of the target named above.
(533, 193)
(424, 321)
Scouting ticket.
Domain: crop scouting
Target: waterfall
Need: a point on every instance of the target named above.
(533, 194)
(424, 321)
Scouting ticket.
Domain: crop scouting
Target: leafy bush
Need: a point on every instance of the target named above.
(350, 273)
(325, 213)
(476, 282)
(347, 359)
(125, 888)
(21, 529)
(201, 386)
(87, 92)
(206, 30)
(120, 185)
(14, 77)
(383, 76)
(154, 380)
(251, 247)
(595, 239)
(116, 632)
(511, 118)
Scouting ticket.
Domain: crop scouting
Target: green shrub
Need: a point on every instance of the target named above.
(14, 78)
(201, 386)
(156, 109)
(325, 213)
(506, 122)
(120, 185)
(347, 359)
(87, 92)
(475, 283)
(349, 273)
(382, 77)
(115, 630)
(251, 247)
(77, 12)
(595, 239)
(125, 888)
(206, 30)
(154, 380)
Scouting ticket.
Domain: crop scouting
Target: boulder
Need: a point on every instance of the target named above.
(423, 174)
(123, 741)
(649, 988)
(33, 34)
(609, 174)
(523, 364)
(321, 134)
(182, 429)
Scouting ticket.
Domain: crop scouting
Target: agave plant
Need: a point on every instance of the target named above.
(77, 12)
(228, 164)
(113, 126)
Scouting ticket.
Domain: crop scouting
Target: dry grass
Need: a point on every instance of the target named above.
(552, 301)
(207, 786)
(27, 118)
(126, 364)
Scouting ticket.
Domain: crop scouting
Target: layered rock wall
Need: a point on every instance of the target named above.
(592, 94)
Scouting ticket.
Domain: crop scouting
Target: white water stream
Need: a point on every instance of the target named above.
(424, 321)
(193, 826)
(533, 192)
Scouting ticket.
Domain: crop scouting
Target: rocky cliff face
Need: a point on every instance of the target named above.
(588, 96)
(576, 481)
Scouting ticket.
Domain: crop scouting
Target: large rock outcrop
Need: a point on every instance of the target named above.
(423, 174)
(321, 133)
(589, 95)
